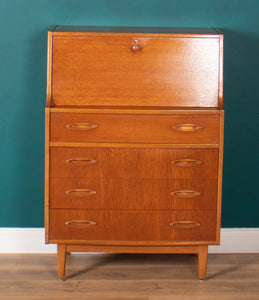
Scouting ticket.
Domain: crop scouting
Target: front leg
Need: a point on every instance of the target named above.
(61, 258)
(203, 257)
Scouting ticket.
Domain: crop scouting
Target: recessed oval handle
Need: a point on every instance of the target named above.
(186, 162)
(80, 223)
(184, 224)
(187, 127)
(81, 192)
(186, 193)
(82, 126)
(137, 46)
(81, 161)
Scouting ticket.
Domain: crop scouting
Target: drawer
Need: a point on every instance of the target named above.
(90, 193)
(120, 225)
(81, 127)
(161, 72)
(125, 163)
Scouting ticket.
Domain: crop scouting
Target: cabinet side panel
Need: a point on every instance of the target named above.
(47, 174)
(220, 174)
(221, 57)
(49, 69)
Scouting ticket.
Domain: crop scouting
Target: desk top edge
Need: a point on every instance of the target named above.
(115, 29)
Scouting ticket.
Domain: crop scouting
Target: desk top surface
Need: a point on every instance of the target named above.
(113, 29)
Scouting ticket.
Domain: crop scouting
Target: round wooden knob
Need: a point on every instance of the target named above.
(136, 46)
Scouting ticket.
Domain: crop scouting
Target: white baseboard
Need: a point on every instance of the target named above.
(237, 240)
(24, 240)
(31, 240)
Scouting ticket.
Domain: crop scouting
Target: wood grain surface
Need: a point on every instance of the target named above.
(128, 225)
(133, 163)
(133, 193)
(134, 128)
(134, 140)
(105, 71)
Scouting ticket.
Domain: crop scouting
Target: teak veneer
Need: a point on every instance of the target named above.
(134, 140)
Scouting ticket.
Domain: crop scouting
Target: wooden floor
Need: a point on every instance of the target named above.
(129, 277)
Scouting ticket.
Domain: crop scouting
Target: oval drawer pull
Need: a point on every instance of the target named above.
(136, 46)
(184, 224)
(81, 192)
(81, 161)
(186, 162)
(187, 127)
(186, 193)
(82, 126)
(80, 223)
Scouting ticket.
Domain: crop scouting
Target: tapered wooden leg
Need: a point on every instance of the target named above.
(203, 258)
(61, 257)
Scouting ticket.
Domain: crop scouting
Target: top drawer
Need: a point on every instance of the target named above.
(135, 71)
(118, 128)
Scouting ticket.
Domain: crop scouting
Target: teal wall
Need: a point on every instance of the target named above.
(23, 44)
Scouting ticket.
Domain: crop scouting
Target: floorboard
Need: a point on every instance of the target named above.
(129, 277)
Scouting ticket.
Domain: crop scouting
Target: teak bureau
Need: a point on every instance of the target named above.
(134, 140)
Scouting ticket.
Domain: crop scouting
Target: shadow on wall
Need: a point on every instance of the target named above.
(241, 94)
